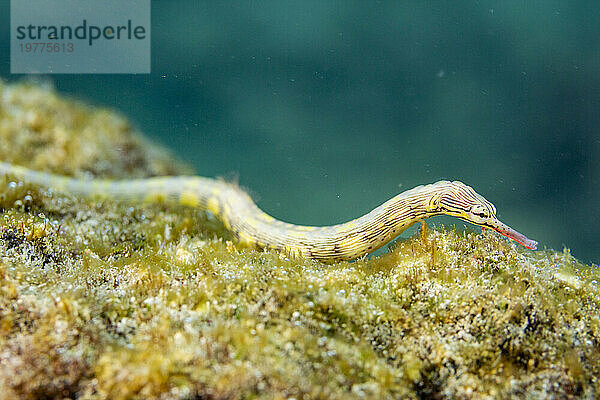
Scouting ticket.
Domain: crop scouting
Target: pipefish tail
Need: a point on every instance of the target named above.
(253, 227)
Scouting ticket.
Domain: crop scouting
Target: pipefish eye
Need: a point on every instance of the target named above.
(480, 211)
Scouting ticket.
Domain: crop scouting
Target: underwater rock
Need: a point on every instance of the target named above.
(102, 299)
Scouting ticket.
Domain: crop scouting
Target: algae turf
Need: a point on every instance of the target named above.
(101, 299)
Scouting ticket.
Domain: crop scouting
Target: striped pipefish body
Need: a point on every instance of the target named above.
(253, 227)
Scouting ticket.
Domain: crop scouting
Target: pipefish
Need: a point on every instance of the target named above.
(252, 227)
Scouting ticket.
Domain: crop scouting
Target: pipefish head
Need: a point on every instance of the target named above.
(460, 200)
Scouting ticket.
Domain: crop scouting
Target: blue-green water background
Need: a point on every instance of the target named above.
(325, 109)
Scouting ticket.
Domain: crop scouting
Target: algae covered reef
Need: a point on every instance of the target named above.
(101, 299)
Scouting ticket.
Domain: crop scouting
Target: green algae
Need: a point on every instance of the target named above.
(101, 299)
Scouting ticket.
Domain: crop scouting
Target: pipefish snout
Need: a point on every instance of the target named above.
(253, 227)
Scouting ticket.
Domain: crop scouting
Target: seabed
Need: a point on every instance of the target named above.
(108, 300)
